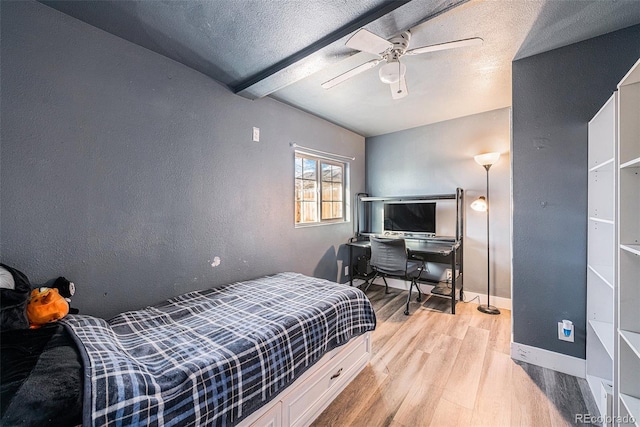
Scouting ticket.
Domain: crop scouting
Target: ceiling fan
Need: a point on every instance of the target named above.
(390, 51)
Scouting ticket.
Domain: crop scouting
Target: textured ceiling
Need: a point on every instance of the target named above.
(287, 48)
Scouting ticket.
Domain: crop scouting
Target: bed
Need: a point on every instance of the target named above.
(274, 350)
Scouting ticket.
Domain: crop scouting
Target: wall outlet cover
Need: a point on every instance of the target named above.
(561, 335)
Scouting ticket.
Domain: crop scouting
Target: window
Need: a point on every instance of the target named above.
(320, 190)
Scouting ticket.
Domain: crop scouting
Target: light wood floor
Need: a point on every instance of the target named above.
(432, 368)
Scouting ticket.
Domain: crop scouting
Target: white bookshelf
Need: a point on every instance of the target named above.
(613, 252)
(628, 257)
(605, 334)
(601, 251)
(629, 405)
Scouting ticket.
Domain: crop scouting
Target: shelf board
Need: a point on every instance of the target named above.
(633, 339)
(408, 198)
(443, 291)
(601, 220)
(604, 273)
(634, 249)
(595, 383)
(604, 332)
(607, 164)
(632, 404)
(634, 163)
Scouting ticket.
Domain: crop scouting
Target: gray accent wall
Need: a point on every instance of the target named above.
(555, 94)
(129, 173)
(435, 159)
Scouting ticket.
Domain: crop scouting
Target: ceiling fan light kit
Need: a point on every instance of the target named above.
(392, 72)
(390, 51)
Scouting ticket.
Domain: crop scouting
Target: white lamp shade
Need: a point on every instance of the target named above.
(480, 204)
(487, 159)
(391, 71)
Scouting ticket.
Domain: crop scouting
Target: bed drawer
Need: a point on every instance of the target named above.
(305, 402)
(309, 395)
(271, 418)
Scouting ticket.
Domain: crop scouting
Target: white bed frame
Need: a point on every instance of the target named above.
(302, 402)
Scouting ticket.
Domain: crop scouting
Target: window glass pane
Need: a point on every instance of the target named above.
(309, 212)
(327, 189)
(337, 209)
(299, 192)
(298, 167)
(319, 190)
(326, 172)
(326, 210)
(336, 174)
(309, 169)
(336, 194)
(331, 210)
(309, 190)
(303, 212)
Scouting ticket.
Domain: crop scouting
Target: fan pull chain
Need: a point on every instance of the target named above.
(399, 78)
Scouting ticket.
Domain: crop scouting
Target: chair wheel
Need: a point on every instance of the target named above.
(406, 312)
(419, 299)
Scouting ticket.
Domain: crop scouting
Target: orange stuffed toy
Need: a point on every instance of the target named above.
(45, 305)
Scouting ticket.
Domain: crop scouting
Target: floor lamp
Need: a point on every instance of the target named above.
(481, 204)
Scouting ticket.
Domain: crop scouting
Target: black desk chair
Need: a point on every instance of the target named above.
(389, 258)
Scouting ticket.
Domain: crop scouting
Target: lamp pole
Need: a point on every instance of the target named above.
(488, 309)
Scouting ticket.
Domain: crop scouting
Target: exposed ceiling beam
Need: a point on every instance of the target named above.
(254, 86)
(310, 59)
(447, 7)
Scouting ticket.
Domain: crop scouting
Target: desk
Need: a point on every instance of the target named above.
(438, 250)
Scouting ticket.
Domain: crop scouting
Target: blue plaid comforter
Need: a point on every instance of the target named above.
(212, 357)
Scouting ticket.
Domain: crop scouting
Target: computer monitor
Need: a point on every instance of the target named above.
(410, 218)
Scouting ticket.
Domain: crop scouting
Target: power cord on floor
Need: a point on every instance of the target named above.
(474, 298)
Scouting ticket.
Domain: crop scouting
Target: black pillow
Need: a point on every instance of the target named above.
(14, 294)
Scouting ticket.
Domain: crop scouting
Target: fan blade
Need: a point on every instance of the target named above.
(352, 72)
(442, 46)
(366, 41)
(399, 90)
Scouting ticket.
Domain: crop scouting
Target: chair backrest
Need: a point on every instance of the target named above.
(388, 255)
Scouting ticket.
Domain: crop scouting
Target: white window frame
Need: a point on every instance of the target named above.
(346, 205)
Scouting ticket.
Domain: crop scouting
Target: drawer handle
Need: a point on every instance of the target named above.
(337, 374)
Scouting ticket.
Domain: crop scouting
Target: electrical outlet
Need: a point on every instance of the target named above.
(256, 134)
(346, 271)
(561, 334)
(448, 274)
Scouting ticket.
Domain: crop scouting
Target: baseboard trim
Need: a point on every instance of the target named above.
(549, 359)
(500, 302)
